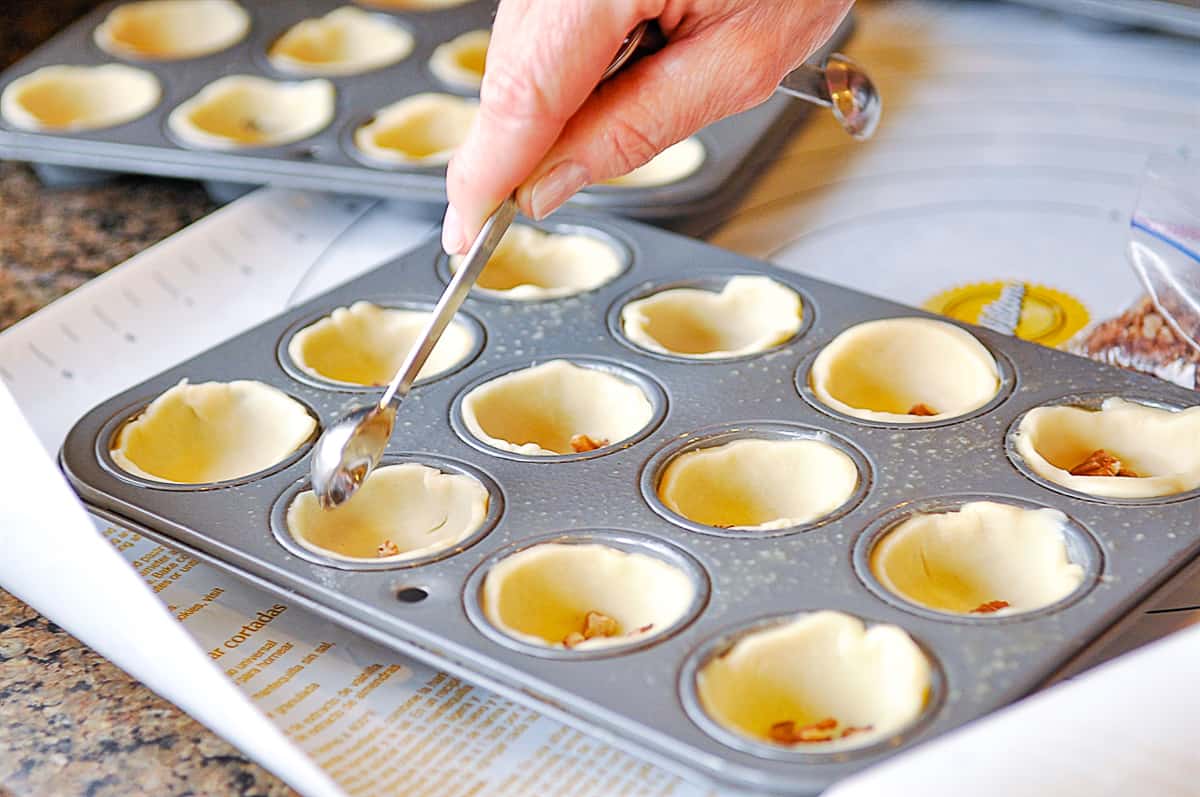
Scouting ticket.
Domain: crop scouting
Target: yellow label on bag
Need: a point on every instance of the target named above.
(1048, 316)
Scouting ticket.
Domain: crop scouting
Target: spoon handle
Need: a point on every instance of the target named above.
(451, 299)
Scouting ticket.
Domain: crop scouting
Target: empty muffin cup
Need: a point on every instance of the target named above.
(72, 98)
(171, 30)
(905, 370)
(401, 513)
(675, 163)
(748, 315)
(532, 264)
(585, 596)
(821, 682)
(365, 344)
(212, 432)
(460, 61)
(556, 408)
(249, 111)
(759, 484)
(981, 559)
(421, 130)
(1120, 450)
(346, 41)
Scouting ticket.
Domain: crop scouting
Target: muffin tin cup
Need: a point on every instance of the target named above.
(108, 436)
(1092, 401)
(722, 642)
(284, 537)
(1008, 383)
(421, 304)
(607, 237)
(708, 282)
(1082, 549)
(631, 542)
(650, 387)
(326, 160)
(713, 436)
(984, 663)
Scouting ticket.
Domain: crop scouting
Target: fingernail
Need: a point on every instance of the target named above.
(555, 187)
(452, 237)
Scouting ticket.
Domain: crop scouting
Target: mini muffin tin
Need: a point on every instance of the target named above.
(737, 148)
(642, 697)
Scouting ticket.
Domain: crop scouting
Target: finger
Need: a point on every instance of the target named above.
(544, 59)
(707, 74)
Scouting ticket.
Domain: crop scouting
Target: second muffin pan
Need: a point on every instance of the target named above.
(644, 643)
(326, 156)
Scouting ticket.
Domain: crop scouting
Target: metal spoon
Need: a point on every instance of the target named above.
(352, 446)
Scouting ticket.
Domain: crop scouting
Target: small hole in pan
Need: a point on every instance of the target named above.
(411, 594)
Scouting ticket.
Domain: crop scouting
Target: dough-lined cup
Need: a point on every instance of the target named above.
(746, 315)
(364, 344)
(531, 264)
(74, 98)
(243, 111)
(1156, 449)
(172, 30)
(560, 408)
(196, 434)
(821, 682)
(980, 559)
(421, 130)
(346, 41)
(904, 371)
(755, 479)
(460, 61)
(402, 512)
(543, 595)
(674, 164)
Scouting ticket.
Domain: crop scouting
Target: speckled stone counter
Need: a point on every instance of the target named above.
(71, 723)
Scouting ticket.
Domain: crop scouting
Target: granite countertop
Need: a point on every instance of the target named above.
(71, 723)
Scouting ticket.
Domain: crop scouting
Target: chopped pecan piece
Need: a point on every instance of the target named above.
(596, 624)
(921, 409)
(581, 443)
(787, 732)
(853, 729)
(1098, 463)
(387, 548)
(989, 607)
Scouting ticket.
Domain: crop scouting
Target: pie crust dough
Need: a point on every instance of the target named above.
(984, 551)
(421, 130)
(530, 264)
(212, 432)
(536, 411)
(759, 484)
(73, 98)
(460, 61)
(1162, 446)
(878, 370)
(346, 41)
(420, 509)
(250, 111)
(171, 30)
(750, 314)
(673, 164)
(365, 344)
(824, 664)
(542, 594)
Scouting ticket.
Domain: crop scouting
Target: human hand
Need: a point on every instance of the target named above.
(545, 129)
